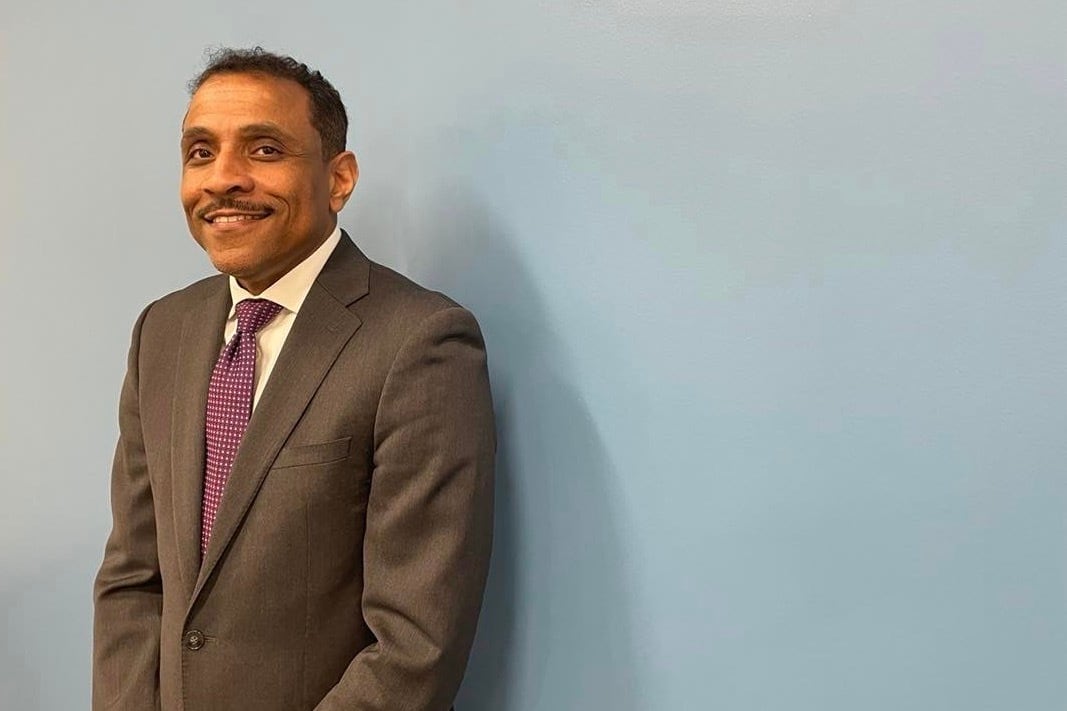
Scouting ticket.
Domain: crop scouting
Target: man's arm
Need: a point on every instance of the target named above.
(429, 522)
(128, 595)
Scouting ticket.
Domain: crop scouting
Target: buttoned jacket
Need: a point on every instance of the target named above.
(351, 546)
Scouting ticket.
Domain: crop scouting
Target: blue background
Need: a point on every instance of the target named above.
(774, 297)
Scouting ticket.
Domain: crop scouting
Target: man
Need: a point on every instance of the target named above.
(302, 488)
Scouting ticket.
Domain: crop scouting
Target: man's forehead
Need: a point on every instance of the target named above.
(231, 93)
(193, 132)
(234, 101)
(249, 82)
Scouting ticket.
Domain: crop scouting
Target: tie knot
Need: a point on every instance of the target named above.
(253, 314)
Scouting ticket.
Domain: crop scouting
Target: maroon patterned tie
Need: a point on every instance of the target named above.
(229, 405)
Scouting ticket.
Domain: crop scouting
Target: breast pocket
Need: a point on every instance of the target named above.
(301, 455)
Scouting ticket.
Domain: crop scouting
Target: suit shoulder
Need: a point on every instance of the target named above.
(175, 305)
(400, 298)
(397, 309)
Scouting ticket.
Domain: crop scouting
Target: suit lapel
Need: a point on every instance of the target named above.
(201, 341)
(321, 329)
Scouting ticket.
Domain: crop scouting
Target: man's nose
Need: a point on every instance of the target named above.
(229, 174)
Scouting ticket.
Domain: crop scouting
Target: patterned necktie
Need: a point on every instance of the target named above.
(229, 405)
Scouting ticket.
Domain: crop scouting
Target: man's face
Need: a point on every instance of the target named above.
(257, 193)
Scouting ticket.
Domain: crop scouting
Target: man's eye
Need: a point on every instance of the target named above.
(267, 151)
(199, 154)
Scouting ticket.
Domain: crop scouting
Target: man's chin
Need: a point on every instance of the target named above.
(232, 265)
(252, 276)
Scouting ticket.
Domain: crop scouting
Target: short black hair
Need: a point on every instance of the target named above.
(328, 115)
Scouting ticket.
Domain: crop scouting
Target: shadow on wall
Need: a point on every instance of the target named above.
(45, 628)
(19, 686)
(555, 625)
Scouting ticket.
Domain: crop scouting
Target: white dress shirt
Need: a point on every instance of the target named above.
(289, 292)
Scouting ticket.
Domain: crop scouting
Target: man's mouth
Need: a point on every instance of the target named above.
(220, 217)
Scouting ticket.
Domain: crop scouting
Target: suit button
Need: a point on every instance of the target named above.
(193, 640)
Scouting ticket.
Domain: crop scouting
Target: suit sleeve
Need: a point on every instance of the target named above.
(429, 522)
(128, 594)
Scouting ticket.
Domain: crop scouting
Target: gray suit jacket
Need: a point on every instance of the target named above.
(351, 547)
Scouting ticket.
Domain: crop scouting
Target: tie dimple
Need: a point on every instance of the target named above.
(229, 406)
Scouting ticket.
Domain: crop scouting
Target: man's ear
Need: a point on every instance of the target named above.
(344, 173)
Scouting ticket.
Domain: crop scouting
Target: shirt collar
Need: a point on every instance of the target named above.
(293, 287)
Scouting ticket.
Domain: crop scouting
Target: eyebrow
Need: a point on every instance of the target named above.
(252, 130)
(196, 133)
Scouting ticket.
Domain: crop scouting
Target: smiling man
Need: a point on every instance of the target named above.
(302, 487)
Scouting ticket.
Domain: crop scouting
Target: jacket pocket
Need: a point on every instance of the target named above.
(304, 454)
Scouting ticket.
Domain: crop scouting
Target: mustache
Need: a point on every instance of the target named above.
(231, 204)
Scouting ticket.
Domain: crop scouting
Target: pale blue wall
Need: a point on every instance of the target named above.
(775, 299)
